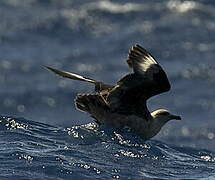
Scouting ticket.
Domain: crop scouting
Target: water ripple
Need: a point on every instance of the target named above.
(89, 151)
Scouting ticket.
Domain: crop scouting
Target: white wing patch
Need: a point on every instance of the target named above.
(146, 63)
(142, 62)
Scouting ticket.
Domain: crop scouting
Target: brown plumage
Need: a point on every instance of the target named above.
(124, 104)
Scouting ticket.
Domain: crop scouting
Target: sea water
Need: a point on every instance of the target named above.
(32, 150)
(44, 137)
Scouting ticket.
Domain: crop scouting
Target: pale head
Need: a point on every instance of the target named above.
(159, 118)
(163, 115)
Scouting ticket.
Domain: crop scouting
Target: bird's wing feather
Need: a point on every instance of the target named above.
(143, 62)
(134, 89)
(70, 75)
(99, 86)
(140, 60)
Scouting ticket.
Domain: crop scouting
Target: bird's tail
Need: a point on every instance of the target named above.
(71, 75)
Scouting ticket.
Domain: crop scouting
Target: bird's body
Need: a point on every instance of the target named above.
(124, 104)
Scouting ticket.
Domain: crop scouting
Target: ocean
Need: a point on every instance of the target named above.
(44, 137)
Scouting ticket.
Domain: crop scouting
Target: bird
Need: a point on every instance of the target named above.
(125, 103)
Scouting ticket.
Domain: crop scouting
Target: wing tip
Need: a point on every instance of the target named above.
(138, 53)
(53, 70)
(49, 68)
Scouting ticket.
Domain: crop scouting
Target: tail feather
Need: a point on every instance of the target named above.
(71, 75)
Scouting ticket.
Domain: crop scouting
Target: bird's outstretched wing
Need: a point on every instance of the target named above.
(70, 75)
(100, 87)
(140, 60)
(133, 90)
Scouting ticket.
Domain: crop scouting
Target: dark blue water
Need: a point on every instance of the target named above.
(32, 150)
(92, 38)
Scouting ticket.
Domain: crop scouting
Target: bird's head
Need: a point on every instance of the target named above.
(163, 116)
(159, 118)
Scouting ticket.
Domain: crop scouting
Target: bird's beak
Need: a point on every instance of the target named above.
(175, 117)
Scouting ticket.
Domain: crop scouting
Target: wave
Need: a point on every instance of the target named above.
(32, 150)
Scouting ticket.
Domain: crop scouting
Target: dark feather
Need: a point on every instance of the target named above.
(133, 90)
(130, 94)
